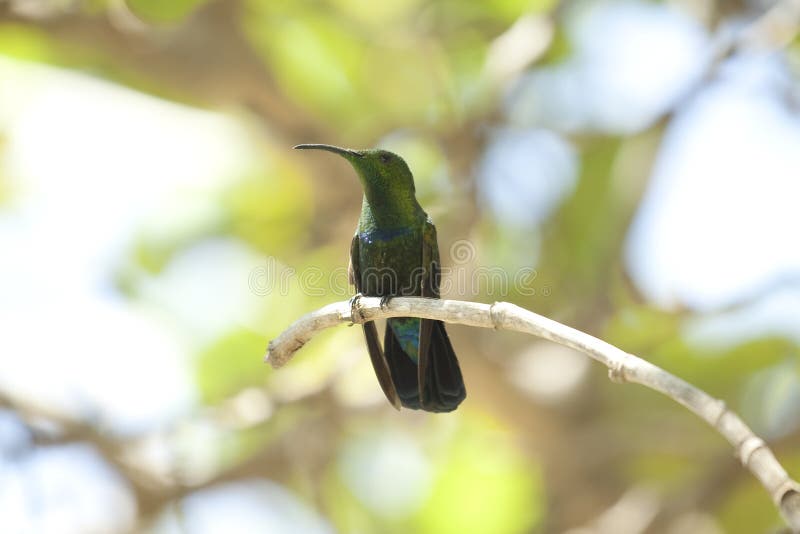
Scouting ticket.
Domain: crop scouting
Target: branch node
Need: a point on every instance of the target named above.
(617, 373)
(789, 502)
(492, 315)
(722, 409)
(749, 447)
(785, 490)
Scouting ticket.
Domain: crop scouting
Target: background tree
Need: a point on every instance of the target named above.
(629, 167)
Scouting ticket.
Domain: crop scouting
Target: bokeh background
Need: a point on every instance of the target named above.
(639, 160)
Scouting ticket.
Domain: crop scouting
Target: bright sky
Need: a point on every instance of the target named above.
(720, 217)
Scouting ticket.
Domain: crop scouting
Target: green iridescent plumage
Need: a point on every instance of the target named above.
(395, 253)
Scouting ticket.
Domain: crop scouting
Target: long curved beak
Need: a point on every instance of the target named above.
(346, 152)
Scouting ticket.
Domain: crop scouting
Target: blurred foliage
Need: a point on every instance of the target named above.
(279, 202)
(407, 62)
(228, 366)
(507, 497)
(588, 220)
(155, 11)
(26, 43)
(412, 76)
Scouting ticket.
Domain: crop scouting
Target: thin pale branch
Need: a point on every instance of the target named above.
(623, 367)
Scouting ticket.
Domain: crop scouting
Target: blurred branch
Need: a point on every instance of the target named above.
(623, 367)
(771, 30)
(633, 513)
(206, 57)
(274, 460)
(775, 28)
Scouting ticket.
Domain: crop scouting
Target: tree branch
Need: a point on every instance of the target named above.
(623, 367)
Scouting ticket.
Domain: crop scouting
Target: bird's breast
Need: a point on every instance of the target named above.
(390, 261)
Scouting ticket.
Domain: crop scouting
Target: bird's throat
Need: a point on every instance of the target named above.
(379, 211)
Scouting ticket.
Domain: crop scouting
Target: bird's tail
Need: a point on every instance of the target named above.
(444, 386)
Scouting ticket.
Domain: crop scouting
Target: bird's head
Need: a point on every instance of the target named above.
(383, 174)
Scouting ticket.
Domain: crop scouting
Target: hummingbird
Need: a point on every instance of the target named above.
(394, 252)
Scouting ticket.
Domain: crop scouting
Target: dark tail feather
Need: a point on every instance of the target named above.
(403, 369)
(379, 363)
(444, 385)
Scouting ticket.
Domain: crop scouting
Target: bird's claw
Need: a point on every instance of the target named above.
(354, 313)
(385, 301)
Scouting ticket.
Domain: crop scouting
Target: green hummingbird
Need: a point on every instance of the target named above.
(393, 253)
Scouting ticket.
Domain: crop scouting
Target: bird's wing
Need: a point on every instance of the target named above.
(441, 386)
(430, 289)
(371, 333)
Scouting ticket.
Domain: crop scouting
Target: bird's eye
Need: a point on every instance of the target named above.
(385, 158)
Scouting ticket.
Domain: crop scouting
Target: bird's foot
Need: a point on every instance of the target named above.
(385, 301)
(355, 315)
